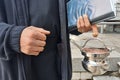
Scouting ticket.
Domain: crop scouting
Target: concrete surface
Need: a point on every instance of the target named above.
(111, 40)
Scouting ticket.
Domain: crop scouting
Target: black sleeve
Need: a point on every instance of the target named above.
(9, 36)
(9, 40)
(73, 30)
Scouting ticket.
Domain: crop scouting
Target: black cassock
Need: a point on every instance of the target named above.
(14, 17)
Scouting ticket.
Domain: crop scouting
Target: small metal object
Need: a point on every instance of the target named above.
(94, 58)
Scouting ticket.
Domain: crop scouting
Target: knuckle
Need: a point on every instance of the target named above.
(41, 49)
(44, 37)
(44, 43)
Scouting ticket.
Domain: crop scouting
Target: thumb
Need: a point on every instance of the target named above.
(95, 30)
(45, 31)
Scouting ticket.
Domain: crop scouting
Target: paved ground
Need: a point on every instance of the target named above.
(111, 40)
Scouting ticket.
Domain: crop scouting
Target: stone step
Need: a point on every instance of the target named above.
(76, 76)
(81, 76)
(106, 78)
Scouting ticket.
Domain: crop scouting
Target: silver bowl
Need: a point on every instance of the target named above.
(95, 59)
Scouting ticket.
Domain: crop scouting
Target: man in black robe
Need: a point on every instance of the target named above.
(34, 42)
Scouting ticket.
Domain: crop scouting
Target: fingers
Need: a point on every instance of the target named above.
(86, 21)
(95, 30)
(36, 43)
(83, 24)
(32, 46)
(39, 36)
(46, 32)
(33, 40)
(33, 50)
(38, 33)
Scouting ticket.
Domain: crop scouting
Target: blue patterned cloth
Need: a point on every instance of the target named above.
(77, 8)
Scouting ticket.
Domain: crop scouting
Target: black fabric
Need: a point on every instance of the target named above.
(11, 59)
(73, 30)
(14, 65)
(66, 68)
(44, 14)
(44, 66)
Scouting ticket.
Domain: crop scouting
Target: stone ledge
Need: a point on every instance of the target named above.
(76, 76)
(106, 78)
(87, 76)
(81, 76)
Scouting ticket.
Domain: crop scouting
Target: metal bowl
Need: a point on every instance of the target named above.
(95, 60)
